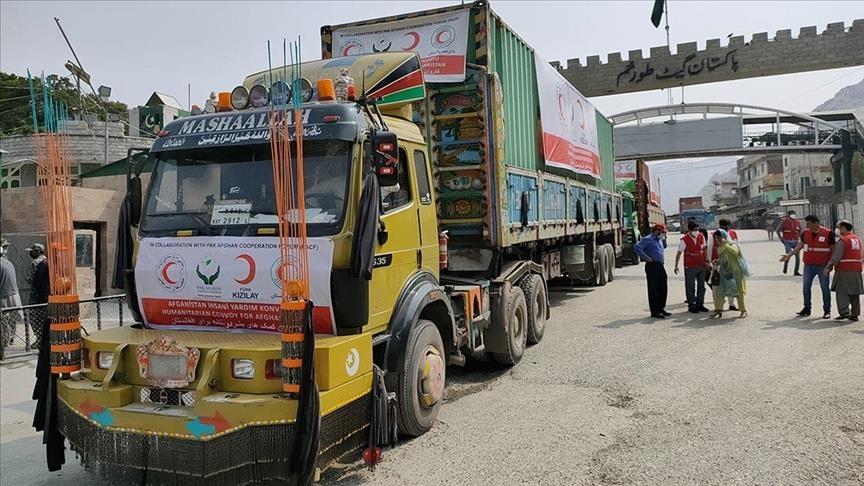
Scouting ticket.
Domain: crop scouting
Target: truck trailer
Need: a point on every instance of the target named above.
(441, 156)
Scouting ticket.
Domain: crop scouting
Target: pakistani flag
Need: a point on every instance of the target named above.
(657, 13)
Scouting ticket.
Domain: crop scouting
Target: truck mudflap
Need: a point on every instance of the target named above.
(248, 454)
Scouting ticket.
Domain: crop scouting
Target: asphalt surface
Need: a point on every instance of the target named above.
(613, 397)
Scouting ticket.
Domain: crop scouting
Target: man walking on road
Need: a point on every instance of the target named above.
(650, 250)
(789, 231)
(846, 262)
(695, 251)
(816, 241)
(9, 298)
(37, 254)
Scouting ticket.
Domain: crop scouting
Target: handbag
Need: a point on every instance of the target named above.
(713, 278)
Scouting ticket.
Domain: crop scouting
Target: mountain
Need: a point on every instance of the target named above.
(847, 98)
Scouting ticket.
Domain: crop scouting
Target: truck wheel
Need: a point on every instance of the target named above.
(516, 332)
(601, 271)
(421, 379)
(611, 263)
(535, 298)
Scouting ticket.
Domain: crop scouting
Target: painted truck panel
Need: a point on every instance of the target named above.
(485, 145)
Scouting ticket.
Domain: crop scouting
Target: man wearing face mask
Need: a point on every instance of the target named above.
(789, 231)
(695, 250)
(846, 262)
(650, 250)
(816, 241)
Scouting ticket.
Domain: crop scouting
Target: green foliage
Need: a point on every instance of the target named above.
(15, 111)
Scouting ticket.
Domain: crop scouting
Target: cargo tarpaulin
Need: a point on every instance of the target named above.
(440, 40)
(207, 283)
(568, 122)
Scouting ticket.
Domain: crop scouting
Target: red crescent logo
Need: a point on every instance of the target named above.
(280, 272)
(165, 274)
(582, 112)
(438, 36)
(561, 106)
(249, 276)
(346, 51)
(414, 43)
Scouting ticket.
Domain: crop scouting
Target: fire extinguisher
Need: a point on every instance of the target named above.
(442, 249)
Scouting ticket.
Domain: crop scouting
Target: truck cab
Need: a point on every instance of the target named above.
(202, 369)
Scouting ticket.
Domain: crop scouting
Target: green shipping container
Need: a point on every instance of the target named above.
(513, 62)
(607, 153)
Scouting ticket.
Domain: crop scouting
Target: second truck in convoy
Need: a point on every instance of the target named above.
(495, 177)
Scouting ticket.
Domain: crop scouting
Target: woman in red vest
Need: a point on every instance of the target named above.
(816, 241)
(846, 262)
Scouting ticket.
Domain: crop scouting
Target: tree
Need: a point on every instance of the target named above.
(16, 113)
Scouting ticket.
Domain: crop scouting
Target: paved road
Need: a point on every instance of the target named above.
(611, 397)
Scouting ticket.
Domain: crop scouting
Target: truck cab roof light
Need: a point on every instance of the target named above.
(305, 88)
(240, 98)
(258, 96)
(280, 93)
(326, 90)
(330, 118)
(223, 102)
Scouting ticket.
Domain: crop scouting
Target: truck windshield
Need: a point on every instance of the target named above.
(228, 190)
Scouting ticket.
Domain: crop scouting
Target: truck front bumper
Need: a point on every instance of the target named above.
(225, 438)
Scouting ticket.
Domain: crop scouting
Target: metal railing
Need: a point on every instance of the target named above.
(21, 327)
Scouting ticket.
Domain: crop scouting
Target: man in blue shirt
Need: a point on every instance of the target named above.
(650, 250)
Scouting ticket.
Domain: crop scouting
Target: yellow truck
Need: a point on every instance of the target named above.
(470, 212)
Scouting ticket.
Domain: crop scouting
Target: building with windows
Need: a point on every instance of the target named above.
(802, 171)
(86, 148)
(760, 179)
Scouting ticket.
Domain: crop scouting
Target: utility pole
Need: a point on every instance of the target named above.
(87, 80)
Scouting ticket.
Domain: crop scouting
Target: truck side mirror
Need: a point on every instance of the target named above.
(384, 147)
(136, 160)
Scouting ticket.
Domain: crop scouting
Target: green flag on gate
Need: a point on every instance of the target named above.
(657, 13)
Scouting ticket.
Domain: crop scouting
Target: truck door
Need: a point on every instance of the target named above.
(400, 256)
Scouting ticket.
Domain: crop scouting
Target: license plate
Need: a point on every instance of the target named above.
(230, 214)
(167, 367)
(166, 364)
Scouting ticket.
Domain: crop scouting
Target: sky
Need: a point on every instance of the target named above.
(141, 47)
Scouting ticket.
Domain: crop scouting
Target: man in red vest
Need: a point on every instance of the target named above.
(846, 262)
(696, 263)
(789, 231)
(816, 241)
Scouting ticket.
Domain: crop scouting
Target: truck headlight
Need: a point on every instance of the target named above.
(243, 369)
(104, 359)
(273, 369)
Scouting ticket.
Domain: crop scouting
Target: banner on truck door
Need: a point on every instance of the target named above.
(568, 122)
(207, 283)
(440, 40)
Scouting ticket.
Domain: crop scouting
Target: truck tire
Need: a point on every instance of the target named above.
(601, 271)
(421, 380)
(610, 254)
(517, 328)
(536, 302)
